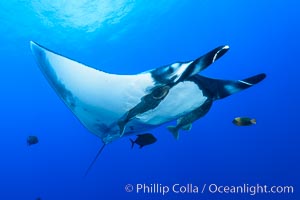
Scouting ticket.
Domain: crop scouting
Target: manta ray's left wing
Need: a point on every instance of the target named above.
(97, 99)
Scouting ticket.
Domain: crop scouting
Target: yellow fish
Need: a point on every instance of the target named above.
(243, 121)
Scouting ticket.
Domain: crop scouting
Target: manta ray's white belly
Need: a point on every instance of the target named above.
(182, 99)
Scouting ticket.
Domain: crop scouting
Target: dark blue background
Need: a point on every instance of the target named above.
(263, 36)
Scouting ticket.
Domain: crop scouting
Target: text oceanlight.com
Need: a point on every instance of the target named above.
(163, 189)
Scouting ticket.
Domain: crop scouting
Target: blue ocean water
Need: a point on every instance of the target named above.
(128, 37)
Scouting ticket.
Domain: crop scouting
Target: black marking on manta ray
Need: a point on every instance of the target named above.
(66, 95)
(159, 74)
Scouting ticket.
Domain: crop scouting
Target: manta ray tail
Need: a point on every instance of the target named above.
(93, 162)
(223, 88)
(174, 130)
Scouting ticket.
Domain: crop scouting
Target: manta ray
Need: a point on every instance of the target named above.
(113, 106)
